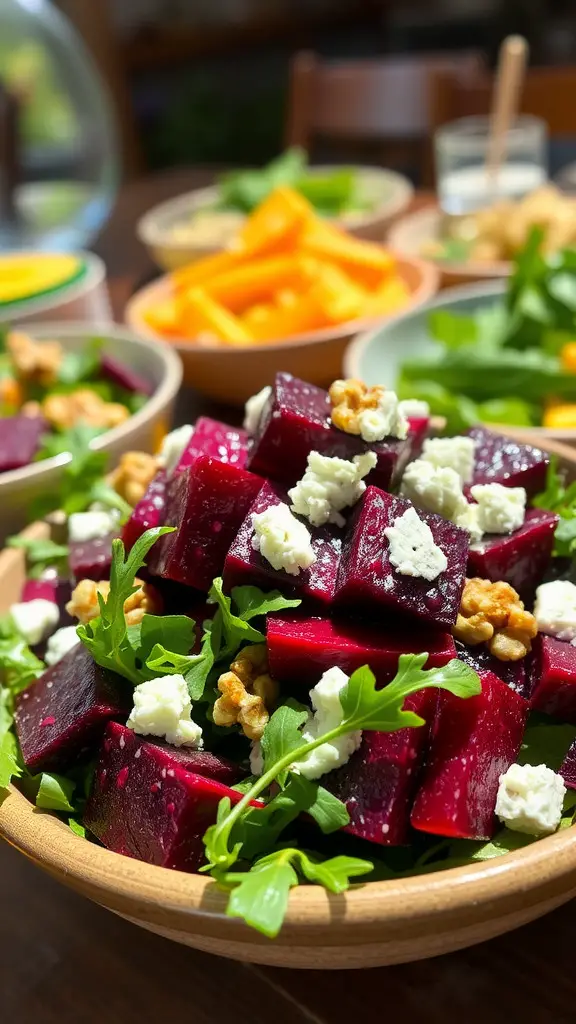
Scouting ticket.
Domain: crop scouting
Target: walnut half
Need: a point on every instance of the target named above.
(132, 475)
(248, 692)
(493, 613)
(349, 399)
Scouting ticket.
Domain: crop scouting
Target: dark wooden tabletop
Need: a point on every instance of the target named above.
(66, 961)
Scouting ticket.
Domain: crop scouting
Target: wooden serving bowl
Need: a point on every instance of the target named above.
(372, 925)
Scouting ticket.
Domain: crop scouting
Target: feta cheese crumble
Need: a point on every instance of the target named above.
(33, 620)
(414, 409)
(500, 509)
(282, 539)
(92, 525)
(328, 714)
(329, 485)
(162, 707)
(387, 420)
(173, 447)
(254, 408)
(455, 452)
(435, 489)
(530, 799)
(62, 641)
(555, 609)
(413, 551)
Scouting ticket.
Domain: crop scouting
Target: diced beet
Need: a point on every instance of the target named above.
(418, 431)
(501, 460)
(553, 677)
(513, 673)
(219, 441)
(472, 743)
(300, 649)
(62, 715)
(43, 589)
(367, 579)
(148, 513)
(296, 421)
(145, 804)
(207, 503)
(379, 781)
(568, 767)
(520, 558)
(91, 559)
(202, 762)
(125, 376)
(50, 587)
(20, 438)
(244, 565)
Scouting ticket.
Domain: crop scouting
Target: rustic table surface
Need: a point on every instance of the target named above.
(66, 961)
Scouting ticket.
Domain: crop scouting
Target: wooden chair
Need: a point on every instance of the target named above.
(381, 101)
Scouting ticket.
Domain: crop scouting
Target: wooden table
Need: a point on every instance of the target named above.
(65, 961)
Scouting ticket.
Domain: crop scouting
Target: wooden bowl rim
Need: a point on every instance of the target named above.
(429, 279)
(429, 216)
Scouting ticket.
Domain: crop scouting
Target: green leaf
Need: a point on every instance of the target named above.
(55, 793)
(460, 412)
(282, 734)
(106, 495)
(509, 411)
(10, 767)
(328, 811)
(77, 828)
(453, 329)
(546, 742)
(80, 366)
(251, 602)
(41, 553)
(78, 475)
(235, 630)
(18, 665)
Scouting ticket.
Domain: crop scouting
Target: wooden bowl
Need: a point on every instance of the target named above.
(231, 373)
(372, 925)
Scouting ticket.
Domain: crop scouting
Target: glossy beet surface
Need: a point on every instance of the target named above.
(149, 512)
(368, 580)
(125, 376)
(244, 565)
(520, 558)
(91, 559)
(219, 441)
(553, 677)
(472, 743)
(300, 649)
(501, 460)
(568, 767)
(145, 804)
(62, 715)
(207, 503)
(379, 781)
(513, 673)
(20, 440)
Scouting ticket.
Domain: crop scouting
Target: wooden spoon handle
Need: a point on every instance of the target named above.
(509, 81)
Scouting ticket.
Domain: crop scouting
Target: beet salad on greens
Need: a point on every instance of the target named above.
(325, 648)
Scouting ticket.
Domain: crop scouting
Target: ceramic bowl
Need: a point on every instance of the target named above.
(231, 373)
(377, 355)
(144, 430)
(371, 925)
(86, 299)
(389, 194)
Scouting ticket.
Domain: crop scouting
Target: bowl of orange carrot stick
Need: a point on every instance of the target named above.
(289, 293)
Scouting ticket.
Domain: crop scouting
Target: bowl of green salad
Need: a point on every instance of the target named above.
(493, 352)
(197, 223)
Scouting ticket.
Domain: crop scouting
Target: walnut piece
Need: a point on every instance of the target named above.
(83, 405)
(83, 604)
(132, 475)
(37, 361)
(248, 693)
(493, 613)
(350, 398)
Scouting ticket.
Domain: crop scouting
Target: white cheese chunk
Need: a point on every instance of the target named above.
(414, 409)
(434, 488)
(329, 485)
(85, 526)
(328, 714)
(468, 520)
(254, 408)
(173, 447)
(282, 539)
(500, 509)
(162, 707)
(62, 641)
(555, 609)
(455, 452)
(413, 551)
(387, 420)
(33, 620)
(530, 799)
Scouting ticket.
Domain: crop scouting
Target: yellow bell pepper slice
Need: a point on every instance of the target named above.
(201, 314)
(560, 416)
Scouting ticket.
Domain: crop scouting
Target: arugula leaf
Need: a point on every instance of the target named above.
(9, 762)
(452, 329)
(41, 553)
(252, 603)
(55, 793)
(19, 666)
(81, 365)
(77, 828)
(282, 734)
(328, 811)
(559, 498)
(79, 475)
(546, 742)
(106, 495)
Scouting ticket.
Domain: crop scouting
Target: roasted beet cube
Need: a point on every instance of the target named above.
(124, 376)
(244, 565)
(500, 460)
(553, 677)
(91, 559)
(20, 438)
(219, 441)
(418, 431)
(148, 513)
(51, 587)
(367, 579)
(379, 782)
(300, 649)
(472, 743)
(146, 804)
(207, 504)
(568, 767)
(520, 558)
(201, 762)
(62, 715)
(513, 673)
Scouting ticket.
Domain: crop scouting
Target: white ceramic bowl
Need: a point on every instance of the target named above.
(86, 299)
